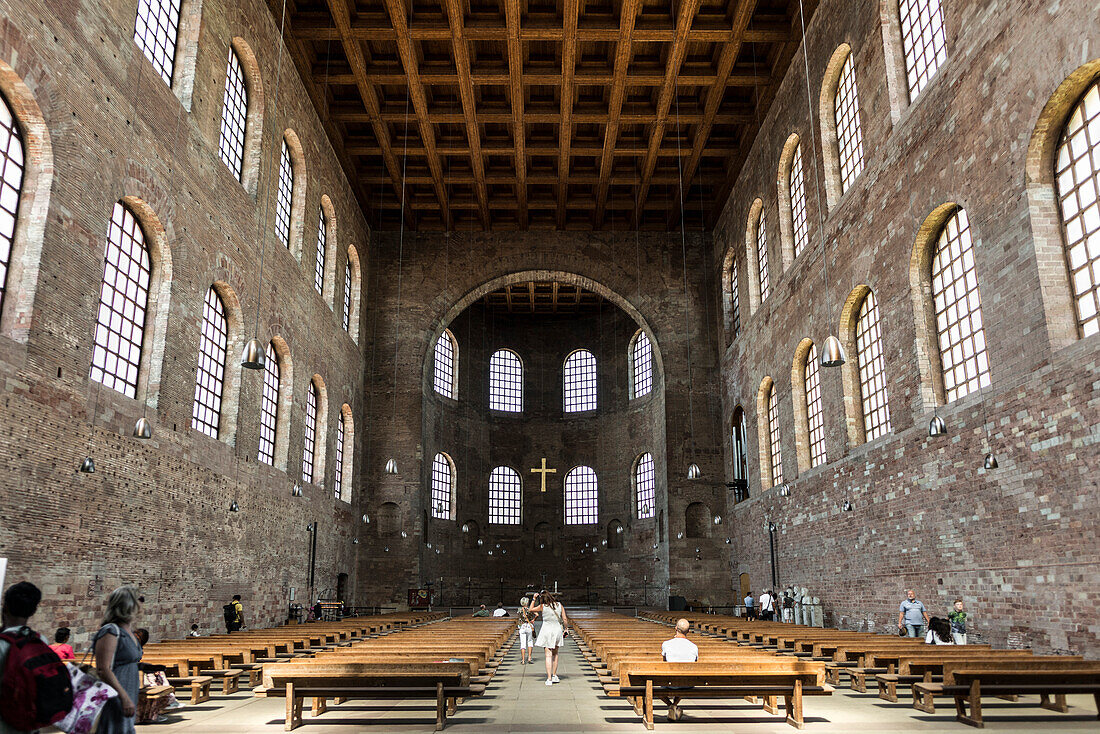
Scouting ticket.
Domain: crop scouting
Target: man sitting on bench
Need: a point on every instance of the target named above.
(679, 650)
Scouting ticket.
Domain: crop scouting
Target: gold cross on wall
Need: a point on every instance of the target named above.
(544, 471)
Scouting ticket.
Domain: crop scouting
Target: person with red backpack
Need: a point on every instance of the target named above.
(35, 686)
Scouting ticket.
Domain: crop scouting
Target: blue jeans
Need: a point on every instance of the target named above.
(915, 630)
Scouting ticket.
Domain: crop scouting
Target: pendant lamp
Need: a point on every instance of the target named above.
(832, 352)
(936, 426)
(991, 461)
(87, 466)
(143, 429)
(254, 357)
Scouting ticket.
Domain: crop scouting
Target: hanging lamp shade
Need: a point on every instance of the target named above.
(784, 490)
(391, 466)
(366, 519)
(991, 461)
(847, 506)
(143, 428)
(296, 490)
(832, 352)
(355, 541)
(254, 357)
(693, 471)
(87, 466)
(936, 427)
(234, 507)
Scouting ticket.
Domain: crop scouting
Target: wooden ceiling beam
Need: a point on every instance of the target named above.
(357, 147)
(405, 49)
(512, 10)
(696, 75)
(502, 115)
(676, 53)
(623, 54)
(461, 55)
(565, 127)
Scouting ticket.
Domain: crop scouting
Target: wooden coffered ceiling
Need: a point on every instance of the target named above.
(542, 114)
(544, 298)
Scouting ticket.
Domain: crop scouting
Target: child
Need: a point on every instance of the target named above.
(61, 644)
(194, 631)
(957, 617)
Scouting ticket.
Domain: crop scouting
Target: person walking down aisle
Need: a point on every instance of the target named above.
(526, 631)
(117, 653)
(552, 634)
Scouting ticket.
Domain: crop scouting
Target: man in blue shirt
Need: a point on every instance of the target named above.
(912, 614)
(750, 608)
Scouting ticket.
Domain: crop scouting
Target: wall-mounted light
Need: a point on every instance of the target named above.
(391, 466)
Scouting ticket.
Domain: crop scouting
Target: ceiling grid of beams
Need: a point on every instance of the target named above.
(542, 114)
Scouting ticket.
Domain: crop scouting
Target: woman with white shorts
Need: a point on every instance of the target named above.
(526, 632)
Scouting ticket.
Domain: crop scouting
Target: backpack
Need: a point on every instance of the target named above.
(36, 689)
(230, 613)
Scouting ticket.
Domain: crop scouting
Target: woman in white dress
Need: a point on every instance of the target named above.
(552, 634)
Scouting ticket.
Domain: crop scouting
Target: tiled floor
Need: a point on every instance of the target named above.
(519, 701)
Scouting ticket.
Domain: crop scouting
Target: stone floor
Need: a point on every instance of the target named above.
(519, 701)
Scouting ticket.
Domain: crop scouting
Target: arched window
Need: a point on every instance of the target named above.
(774, 448)
(284, 198)
(924, 42)
(796, 184)
(849, 131)
(309, 440)
(1077, 180)
(234, 117)
(815, 412)
(11, 188)
(641, 365)
(322, 238)
(155, 31)
(735, 303)
(124, 295)
(581, 497)
(338, 479)
(446, 360)
(443, 482)
(580, 381)
(347, 295)
(740, 455)
(505, 497)
(345, 453)
(762, 257)
(872, 370)
(505, 382)
(269, 406)
(210, 376)
(645, 487)
(958, 308)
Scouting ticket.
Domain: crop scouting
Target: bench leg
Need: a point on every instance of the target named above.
(1058, 705)
(647, 713)
(770, 705)
(975, 701)
(832, 676)
(320, 705)
(859, 682)
(440, 707)
(888, 691)
(793, 705)
(293, 709)
(452, 705)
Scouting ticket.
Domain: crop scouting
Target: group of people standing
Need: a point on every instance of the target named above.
(913, 621)
(770, 606)
(551, 636)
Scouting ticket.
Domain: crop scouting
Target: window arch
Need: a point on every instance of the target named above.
(12, 166)
(752, 256)
(345, 302)
(1077, 180)
(773, 436)
(731, 295)
(581, 496)
(762, 257)
(352, 295)
(345, 454)
(443, 484)
(234, 117)
(309, 438)
(284, 197)
(269, 405)
(794, 228)
(579, 381)
(156, 30)
(645, 487)
(445, 367)
(322, 243)
(868, 410)
(505, 382)
(923, 41)
(767, 411)
(505, 497)
(338, 477)
(739, 438)
(808, 409)
(210, 375)
(124, 297)
(841, 129)
(641, 365)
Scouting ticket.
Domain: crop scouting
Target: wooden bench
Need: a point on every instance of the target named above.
(321, 680)
(198, 685)
(154, 693)
(968, 681)
(927, 665)
(670, 682)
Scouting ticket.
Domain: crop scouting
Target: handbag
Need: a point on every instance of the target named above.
(90, 697)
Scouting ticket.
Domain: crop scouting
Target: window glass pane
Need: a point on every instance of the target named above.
(505, 382)
(504, 496)
(581, 497)
(645, 487)
(322, 239)
(210, 376)
(872, 370)
(815, 413)
(762, 257)
(269, 407)
(773, 437)
(338, 484)
(641, 359)
(849, 132)
(11, 188)
(156, 28)
(735, 304)
(234, 116)
(800, 226)
(285, 196)
(442, 487)
(580, 381)
(310, 439)
(922, 37)
(347, 295)
(445, 365)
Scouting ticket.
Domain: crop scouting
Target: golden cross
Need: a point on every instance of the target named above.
(544, 471)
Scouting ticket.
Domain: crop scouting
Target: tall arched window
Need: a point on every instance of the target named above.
(505, 382)
(322, 239)
(645, 487)
(269, 406)
(345, 453)
(234, 117)
(796, 185)
(446, 362)
(309, 439)
(505, 497)
(1077, 178)
(774, 447)
(579, 381)
(581, 497)
(346, 318)
(210, 376)
(12, 164)
(924, 42)
(815, 412)
(641, 365)
(155, 31)
(872, 370)
(123, 297)
(740, 454)
(338, 479)
(958, 309)
(762, 257)
(735, 303)
(849, 131)
(443, 482)
(284, 198)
